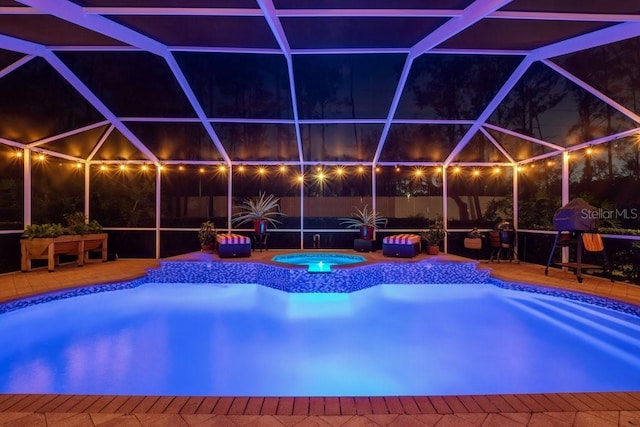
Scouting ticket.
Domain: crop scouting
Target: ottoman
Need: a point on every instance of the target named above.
(401, 245)
(233, 245)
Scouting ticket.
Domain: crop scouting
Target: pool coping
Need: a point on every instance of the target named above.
(614, 404)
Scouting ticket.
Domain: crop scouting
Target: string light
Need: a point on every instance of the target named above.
(476, 173)
(322, 175)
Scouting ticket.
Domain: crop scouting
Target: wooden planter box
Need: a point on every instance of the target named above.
(50, 248)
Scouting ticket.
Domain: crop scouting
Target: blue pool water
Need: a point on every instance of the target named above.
(251, 340)
(319, 262)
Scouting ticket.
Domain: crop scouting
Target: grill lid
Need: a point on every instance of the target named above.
(577, 215)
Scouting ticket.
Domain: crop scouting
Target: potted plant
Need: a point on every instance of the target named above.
(261, 211)
(434, 237)
(207, 236)
(366, 220)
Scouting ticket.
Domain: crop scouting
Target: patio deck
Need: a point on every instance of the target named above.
(601, 409)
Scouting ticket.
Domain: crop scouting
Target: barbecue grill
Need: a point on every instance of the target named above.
(574, 222)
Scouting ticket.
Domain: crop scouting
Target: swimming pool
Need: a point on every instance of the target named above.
(243, 339)
(319, 262)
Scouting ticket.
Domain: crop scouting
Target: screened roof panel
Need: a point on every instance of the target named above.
(118, 147)
(421, 143)
(611, 69)
(518, 34)
(39, 103)
(480, 149)
(79, 145)
(239, 85)
(176, 141)
(121, 80)
(340, 142)
(519, 149)
(51, 31)
(538, 91)
(8, 57)
(572, 6)
(453, 86)
(253, 141)
(346, 86)
(218, 31)
(358, 32)
(303, 65)
(549, 107)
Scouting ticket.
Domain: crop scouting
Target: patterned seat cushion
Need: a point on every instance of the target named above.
(402, 239)
(232, 239)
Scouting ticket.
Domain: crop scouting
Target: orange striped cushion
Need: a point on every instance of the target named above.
(592, 242)
(232, 239)
(402, 239)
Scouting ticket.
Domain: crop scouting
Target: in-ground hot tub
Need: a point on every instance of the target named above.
(319, 262)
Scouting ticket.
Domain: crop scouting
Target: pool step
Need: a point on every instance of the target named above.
(588, 323)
